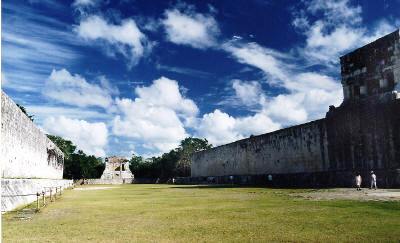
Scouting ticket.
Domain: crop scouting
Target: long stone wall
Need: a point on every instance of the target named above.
(19, 192)
(296, 149)
(26, 152)
(360, 135)
(30, 162)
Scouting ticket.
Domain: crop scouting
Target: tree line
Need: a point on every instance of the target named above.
(175, 163)
(77, 164)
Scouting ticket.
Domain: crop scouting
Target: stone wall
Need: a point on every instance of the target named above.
(296, 149)
(117, 168)
(372, 69)
(365, 136)
(19, 192)
(108, 181)
(360, 135)
(30, 161)
(26, 152)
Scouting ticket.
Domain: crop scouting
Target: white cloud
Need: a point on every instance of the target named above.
(308, 94)
(85, 3)
(260, 57)
(220, 128)
(75, 90)
(89, 137)
(332, 28)
(191, 28)
(249, 93)
(125, 39)
(334, 11)
(287, 109)
(157, 117)
(165, 92)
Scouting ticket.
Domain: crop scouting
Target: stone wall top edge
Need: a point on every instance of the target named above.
(8, 100)
(322, 120)
(395, 34)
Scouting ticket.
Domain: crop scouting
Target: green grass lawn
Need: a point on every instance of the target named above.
(166, 213)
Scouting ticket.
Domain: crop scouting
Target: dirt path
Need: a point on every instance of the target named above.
(352, 194)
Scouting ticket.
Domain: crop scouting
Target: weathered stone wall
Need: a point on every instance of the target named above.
(372, 69)
(361, 135)
(26, 152)
(365, 136)
(301, 148)
(19, 192)
(117, 168)
(108, 181)
(30, 162)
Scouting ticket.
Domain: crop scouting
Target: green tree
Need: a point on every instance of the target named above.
(66, 146)
(25, 112)
(174, 163)
(136, 164)
(87, 166)
(186, 149)
(77, 165)
(167, 164)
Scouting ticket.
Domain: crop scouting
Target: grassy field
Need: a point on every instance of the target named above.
(165, 213)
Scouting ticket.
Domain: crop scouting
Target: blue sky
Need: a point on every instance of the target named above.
(124, 77)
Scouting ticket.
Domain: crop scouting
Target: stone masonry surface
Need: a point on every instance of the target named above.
(360, 135)
(26, 152)
(30, 162)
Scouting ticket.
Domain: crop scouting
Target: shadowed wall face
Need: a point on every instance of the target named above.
(26, 152)
(372, 69)
(292, 150)
(360, 135)
(364, 133)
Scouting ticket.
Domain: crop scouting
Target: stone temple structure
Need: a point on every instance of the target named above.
(360, 135)
(116, 172)
(117, 168)
(30, 162)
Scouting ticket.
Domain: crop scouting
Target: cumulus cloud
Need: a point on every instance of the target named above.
(186, 27)
(157, 117)
(308, 94)
(249, 93)
(332, 28)
(165, 92)
(220, 128)
(89, 137)
(73, 89)
(125, 38)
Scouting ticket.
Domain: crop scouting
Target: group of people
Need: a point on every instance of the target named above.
(359, 180)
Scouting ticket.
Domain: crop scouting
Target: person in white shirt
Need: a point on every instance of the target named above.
(373, 180)
(358, 182)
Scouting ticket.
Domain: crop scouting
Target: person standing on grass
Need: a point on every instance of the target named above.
(373, 180)
(358, 182)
